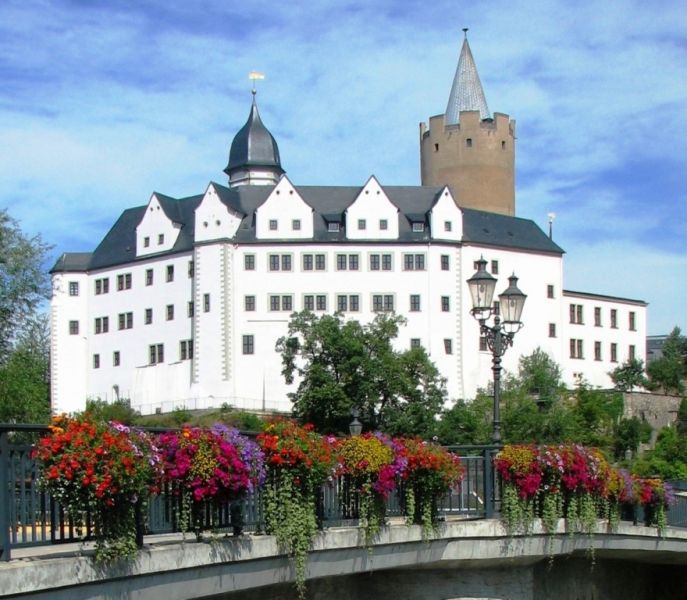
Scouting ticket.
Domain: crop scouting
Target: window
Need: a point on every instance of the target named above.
(349, 262)
(576, 314)
(206, 302)
(73, 328)
(353, 262)
(549, 291)
(321, 302)
(632, 321)
(190, 309)
(415, 343)
(73, 288)
(362, 224)
(386, 262)
(614, 318)
(614, 352)
(287, 302)
(316, 261)
(382, 302)
(146, 242)
(483, 346)
(96, 361)
(308, 302)
(185, 349)
(334, 226)
(597, 350)
(248, 344)
(414, 302)
(160, 239)
(413, 262)
(170, 273)
(342, 303)
(249, 262)
(383, 224)
(375, 263)
(116, 359)
(576, 348)
(156, 353)
(418, 226)
(274, 262)
(597, 316)
(102, 286)
(170, 312)
(448, 225)
(348, 303)
(632, 352)
(249, 303)
(284, 302)
(191, 268)
(286, 262)
(341, 262)
(102, 324)
(552, 330)
(320, 263)
(149, 277)
(148, 318)
(448, 346)
(273, 224)
(124, 282)
(308, 262)
(125, 320)
(468, 142)
(380, 261)
(354, 302)
(494, 267)
(280, 262)
(296, 224)
(497, 307)
(444, 262)
(445, 303)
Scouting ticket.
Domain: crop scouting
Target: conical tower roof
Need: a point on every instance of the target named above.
(253, 146)
(466, 92)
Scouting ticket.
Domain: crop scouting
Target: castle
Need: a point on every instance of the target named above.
(183, 300)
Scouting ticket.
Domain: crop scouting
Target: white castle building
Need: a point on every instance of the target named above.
(183, 300)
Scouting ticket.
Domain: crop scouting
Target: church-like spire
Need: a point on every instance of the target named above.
(466, 92)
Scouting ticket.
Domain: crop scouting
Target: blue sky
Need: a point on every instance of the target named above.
(103, 102)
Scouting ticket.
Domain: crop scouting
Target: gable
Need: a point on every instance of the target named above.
(372, 215)
(446, 218)
(156, 231)
(214, 219)
(284, 214)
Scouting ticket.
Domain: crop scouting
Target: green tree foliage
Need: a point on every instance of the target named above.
(629, 375)
(629, 434)
(668, 459)
(668, 372)
(341, 365)
(119, 410)
(598, 412)
(540, 376)
(467, 422)
(24, 284)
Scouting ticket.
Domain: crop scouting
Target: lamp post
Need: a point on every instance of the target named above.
(499, 336)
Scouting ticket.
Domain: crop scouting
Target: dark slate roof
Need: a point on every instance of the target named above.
(253, 145)
(413, 203)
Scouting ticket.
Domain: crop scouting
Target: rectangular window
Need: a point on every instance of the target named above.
(549, 291)
(448, 226)
(146, 242)
(190, 309)
(170, 312)
(124, 282)
(185, 349)
(497, 307)
(206, 302)
(614, 352)
(321, 302)
(483, 347)
(73, 328)
(445, 303)
(444, 262)
(576, 348)
(286, 262)
(191, 268)
(170, 273)
(632, 321)
(248, 344)
(287, 302)
(415, 343)
(102, 286)
(308, 263)
(308, 302)
(342, 303)
(275, 262)
(386, 262)
(383, 224)
(362, 224)
(102, 324)
(320, 263)
(354, 303)
(160, 239)
(632, 352)
(597, 316)
(576, 314)
(377, 303)
(552, 330)
(98, 325)
(614, 318)
(413, 262)
(414, 302)
(156, 354)
(273, 224)
(249, 262)
(418, 227)
(375, 262)
(116, 359)
(296, 224)
(448, 346)
(149, 277)
(333, 227)
(388, 302)
(275, 303)
(249, 303)
(73, 288)
(494, 267)
(96, 361)
(341, 262)
(597, 350)
(353, 262)
(125, 320)
(148, 318)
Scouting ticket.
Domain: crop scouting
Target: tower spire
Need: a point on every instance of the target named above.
(466, 91)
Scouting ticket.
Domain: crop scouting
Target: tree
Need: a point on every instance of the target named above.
(668, 371)
(467, 422)
(540, 376)
(629, 375)
(24, 284)
(341, 365)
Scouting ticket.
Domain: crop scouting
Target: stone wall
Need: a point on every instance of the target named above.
(658, 410)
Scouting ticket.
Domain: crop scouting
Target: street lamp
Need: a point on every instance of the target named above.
(355, 427)
(499, 336)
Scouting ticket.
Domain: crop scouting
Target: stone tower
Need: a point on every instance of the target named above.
(467, 148)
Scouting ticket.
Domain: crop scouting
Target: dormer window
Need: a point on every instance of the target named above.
(333, 226)
(418, 226)
(146, 242)
(273, 224)
(296, 224)
(448, 225)
(161, 239)
(383, 224)
(362, 224)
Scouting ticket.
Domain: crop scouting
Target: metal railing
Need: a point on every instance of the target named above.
(31, 517)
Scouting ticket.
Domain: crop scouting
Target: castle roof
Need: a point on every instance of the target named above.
(466, 91)
(329, 203)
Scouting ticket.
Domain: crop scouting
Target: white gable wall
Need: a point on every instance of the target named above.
(156, 232)
(370, 208)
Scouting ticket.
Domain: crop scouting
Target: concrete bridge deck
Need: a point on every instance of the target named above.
(467, 560)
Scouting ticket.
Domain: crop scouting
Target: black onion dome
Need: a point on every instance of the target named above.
(253, 145)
